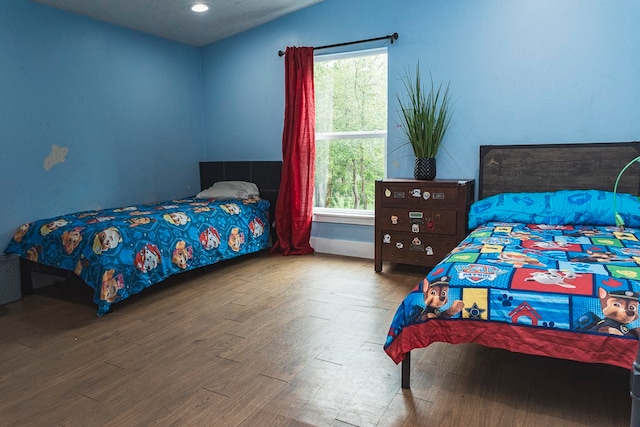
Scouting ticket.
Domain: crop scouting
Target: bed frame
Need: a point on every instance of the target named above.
(552, 167)
(266, 174)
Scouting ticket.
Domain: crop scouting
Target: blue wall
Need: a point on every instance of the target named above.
(127, 108)
(136, 112)
(528, 71)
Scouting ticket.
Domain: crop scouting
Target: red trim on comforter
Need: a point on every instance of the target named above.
(591, 348)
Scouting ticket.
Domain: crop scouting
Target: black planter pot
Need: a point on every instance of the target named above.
(425, 168)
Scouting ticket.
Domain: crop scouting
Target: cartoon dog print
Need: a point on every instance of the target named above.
(176, 218)
(518, 260)
(148, 258)
(100, 219)
(106, 239)
(80, 265)
(619, 309)
(250, 200)
(200, 209)
(71, 239)
(236, 239)
(597, 257)
(111, 284)
(127, 209)
(33, 253)
(230, 208)
(134, 222)
(53, 225)
(553, 277)
(139, 213)
(181, 254)
(22, 230)
(549, 246)
(210, 238)
(436, 295)
(257, 227)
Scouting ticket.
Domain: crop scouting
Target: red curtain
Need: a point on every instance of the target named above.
(294, 208)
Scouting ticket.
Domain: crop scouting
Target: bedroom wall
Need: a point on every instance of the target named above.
(92, 115)
(525, 72)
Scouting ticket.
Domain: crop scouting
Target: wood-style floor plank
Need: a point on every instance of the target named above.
(274, 341)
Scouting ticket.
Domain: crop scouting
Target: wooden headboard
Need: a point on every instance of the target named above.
(552, 167)
(265, 174)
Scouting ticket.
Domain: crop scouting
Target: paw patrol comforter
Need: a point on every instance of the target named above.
(120, 252)
(564, 285)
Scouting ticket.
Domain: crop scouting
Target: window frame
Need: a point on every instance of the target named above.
(352, 216)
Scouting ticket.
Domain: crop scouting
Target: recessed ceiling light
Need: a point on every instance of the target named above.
(199, 7)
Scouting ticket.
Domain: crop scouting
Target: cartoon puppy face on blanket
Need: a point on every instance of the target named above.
(181, 254)
(106, 239)
(71, 239)
(436, 295)
(22, 230)
(147, 258)
(111, 284)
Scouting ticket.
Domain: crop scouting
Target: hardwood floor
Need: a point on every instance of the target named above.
(274, 341)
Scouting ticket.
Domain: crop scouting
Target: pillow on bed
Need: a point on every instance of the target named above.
(578, 207)
(230, 190)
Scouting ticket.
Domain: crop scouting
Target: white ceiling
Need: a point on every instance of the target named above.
(172, 19)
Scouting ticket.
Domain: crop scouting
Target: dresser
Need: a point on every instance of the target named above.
(419, 222)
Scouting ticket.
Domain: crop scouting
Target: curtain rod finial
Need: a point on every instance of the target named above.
(280, 53)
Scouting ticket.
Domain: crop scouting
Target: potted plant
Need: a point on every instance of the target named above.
(425, 120)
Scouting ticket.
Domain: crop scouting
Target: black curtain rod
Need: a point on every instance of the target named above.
(393, 38)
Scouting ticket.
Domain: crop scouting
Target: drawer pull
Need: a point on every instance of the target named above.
(416, 215)
(398, 194)
(429, 250)
(438, 196)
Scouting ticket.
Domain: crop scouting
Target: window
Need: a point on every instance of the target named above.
(351, 129)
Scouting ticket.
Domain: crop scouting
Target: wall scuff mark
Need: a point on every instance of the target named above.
(57, 155)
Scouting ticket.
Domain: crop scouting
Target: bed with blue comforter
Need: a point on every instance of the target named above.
(547, 273)
(120, 252)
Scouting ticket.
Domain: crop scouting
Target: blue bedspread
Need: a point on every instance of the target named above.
(120, 252)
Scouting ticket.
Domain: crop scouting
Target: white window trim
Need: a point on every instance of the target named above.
(364, 134)
(344, 216)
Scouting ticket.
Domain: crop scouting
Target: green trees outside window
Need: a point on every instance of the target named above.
(351, 128)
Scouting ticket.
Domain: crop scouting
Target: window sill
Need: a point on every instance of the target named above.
(344, 216)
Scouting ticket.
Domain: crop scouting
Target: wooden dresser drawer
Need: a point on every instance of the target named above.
(418, 249)
(418, 220)
(419, 195)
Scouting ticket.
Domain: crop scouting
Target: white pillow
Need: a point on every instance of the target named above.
(230, 189)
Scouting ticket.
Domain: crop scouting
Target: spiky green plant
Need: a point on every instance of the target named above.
(425, 115)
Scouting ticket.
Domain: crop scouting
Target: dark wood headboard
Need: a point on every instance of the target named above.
(265, 174)
(552, 167)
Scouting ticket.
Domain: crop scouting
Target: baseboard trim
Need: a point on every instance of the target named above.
(343, 247)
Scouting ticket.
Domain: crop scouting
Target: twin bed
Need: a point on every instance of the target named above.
(545, 269)
(120, 252)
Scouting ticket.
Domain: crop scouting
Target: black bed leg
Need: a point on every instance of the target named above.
(406, 372)
(635, 391)
(26, 283)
